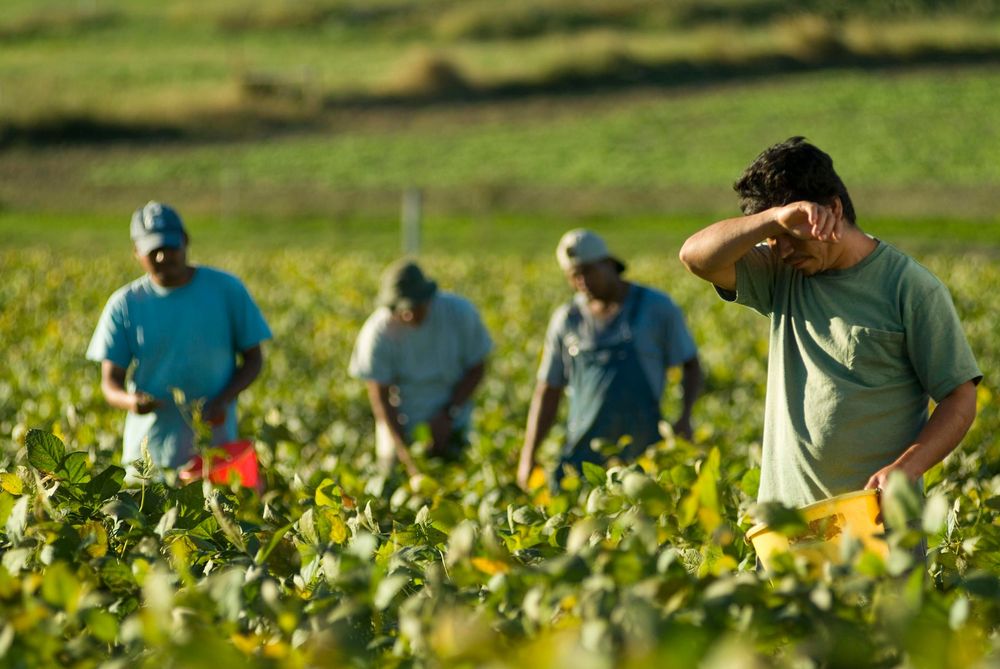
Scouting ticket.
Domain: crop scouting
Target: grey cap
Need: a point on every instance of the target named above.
(580, 247)
(155, 226)
(404, 286)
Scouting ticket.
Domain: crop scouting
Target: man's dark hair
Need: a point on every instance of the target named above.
(788, 172)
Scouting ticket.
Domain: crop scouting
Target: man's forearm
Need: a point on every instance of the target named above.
(245, 374)
(117, 396)
(386, 413)
(467, 385)
(945, 429)
(692, 381)
(541, 416)
(722, 244)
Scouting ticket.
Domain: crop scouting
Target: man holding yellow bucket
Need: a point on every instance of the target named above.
(862, 336)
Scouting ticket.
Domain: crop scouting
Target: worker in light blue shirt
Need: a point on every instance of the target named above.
(178, 327)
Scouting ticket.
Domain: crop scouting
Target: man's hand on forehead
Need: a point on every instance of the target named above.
(810, 220)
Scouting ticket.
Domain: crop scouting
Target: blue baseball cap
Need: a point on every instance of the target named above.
(155, 226)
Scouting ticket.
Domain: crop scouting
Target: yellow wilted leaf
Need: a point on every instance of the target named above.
(491, 567)
(328, 494)
(245, 643)
(11, 482)
(647, 464)
(95, 538)
(338, 529)
(568, 602)
(277, 650)
(536, 482)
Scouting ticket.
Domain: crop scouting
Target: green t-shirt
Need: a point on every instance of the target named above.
(855, 355)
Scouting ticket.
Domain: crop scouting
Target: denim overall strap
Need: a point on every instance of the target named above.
(611, 396)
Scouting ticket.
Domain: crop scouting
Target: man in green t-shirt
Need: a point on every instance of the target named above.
(862, 336)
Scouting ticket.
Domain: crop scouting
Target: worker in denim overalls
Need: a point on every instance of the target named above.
(610, 348)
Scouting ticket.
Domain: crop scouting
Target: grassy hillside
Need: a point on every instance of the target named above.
(327, 109)
(641, 153)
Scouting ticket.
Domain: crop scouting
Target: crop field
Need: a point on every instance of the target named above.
(285, 133)
(336, 565)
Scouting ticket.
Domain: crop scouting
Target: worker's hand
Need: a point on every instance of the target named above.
(880, 479)
(143, 403)
(214, 412)
(441, 431)
(809, 220)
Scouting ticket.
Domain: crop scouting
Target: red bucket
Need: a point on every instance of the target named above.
(239, 461)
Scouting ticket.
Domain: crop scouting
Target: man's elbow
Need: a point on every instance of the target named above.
(689, 257)
(966, 395)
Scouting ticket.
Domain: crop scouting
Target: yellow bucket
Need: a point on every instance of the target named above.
(854, 514)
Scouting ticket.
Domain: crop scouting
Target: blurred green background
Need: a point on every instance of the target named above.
(305, 120)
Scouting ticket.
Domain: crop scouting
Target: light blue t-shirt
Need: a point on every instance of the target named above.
(425, 362)
(660, 337)
(186, 338)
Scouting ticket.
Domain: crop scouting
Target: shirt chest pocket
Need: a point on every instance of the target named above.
(877, 357)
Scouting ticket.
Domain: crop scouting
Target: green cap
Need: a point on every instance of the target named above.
(404, 286)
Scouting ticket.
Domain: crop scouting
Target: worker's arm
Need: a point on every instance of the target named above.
(541, 416)
(712, 253)
(246, 373)
(442, 424)
(113, 389)
(691, 385)
(385, 412)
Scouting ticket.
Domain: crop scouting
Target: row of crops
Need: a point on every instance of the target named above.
(336, 565)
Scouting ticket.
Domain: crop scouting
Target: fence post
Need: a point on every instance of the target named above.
(410, 221)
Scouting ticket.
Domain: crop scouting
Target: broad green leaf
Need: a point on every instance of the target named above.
(702, 503)
(272, 543)
(526, 515)
(60, 587)
(75, 468)
(11, 482)
(388, 588)
(103, 625)
(107, 484)
(959, 613)
(935, 513)
(594, 474)
(117, 575)
(750, 483)
(307, 527)
(45, 450)
(123, 508)
(901, 502)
